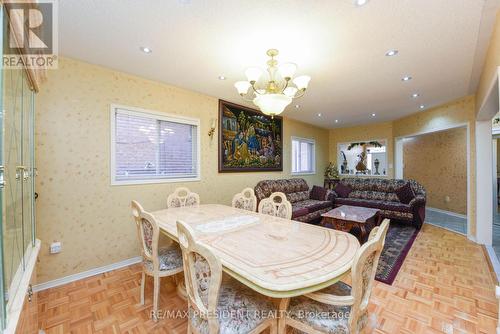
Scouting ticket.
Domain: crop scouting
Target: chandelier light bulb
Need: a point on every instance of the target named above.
(242, 87)
(290, 91)
(302, 82)
(253, 74)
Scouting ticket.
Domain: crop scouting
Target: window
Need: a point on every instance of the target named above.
(150, 147)
(303, 156)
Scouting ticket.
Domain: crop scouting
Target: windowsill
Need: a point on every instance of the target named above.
(303, 173)
(153, 181)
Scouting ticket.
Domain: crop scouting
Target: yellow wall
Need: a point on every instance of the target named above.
(438, 161)
(77, 205)
(491, 64)
(454, 113)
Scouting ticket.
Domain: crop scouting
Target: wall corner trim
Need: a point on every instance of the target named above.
(84, 274)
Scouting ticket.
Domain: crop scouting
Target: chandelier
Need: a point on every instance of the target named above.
(275, 91)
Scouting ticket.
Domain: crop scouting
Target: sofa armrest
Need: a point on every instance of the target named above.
(418, 201)
(417, 206)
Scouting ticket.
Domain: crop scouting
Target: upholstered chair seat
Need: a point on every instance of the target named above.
(339, 308)
(331, 319)
(157, 261)
(241, 310)
(217, 304)
(170, 258)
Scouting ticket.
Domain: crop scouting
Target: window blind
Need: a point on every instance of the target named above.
(148, 148)
(303, 156)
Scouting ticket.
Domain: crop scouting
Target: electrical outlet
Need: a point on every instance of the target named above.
(55, 247)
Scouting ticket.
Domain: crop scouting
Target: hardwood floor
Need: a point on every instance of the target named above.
(444, 286)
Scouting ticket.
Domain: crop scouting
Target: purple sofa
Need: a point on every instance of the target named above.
(304, 208)
(380, 194)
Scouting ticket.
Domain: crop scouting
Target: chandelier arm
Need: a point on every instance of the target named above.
(255, 91)
(286, 86)
(302, 93)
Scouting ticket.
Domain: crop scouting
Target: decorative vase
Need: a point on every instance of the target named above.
(377, 164)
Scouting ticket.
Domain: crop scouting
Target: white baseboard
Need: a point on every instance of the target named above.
(454, 214)
(85, 274)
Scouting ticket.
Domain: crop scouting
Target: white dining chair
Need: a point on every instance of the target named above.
(181, 197)
(340, 308)
(276, 205)
(245, 200)
(216, 304)
(156, 262)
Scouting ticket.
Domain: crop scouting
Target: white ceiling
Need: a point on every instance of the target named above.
(441, 44)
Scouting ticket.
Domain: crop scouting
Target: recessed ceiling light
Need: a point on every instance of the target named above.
(221, 77)
(422, 106)
(415, 95)
(373, 115)
(336, 121)
(406, 78)
(319, 115)
(145, 49)
(297, 106)
(391, 53)
(360, 3)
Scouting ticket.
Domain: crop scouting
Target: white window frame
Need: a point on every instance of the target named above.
(140, 112)
(306, 140)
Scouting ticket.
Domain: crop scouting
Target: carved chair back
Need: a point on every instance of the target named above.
(276, 205)
(181, 197)
(363, 272)
(149, 232)
(137, 209)
(203, 276)
(245, 200)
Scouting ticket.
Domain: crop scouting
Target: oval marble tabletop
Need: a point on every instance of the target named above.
(276, 257)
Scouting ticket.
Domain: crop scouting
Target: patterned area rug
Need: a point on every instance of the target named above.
(398, 242)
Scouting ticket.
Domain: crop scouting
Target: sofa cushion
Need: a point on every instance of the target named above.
(343, 190)
(382, 205)
(308, 206)
(298, 196)
(265, 188)
(318, 193)
(405, 193)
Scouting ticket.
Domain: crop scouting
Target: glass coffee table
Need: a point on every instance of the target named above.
(345, 218)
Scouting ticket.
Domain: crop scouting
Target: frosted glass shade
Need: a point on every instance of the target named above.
(242, 87)
(287, 70)
(272, 104)
(253, 74)
(302, 81)
(290, 91)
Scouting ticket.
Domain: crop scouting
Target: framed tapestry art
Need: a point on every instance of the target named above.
(249, 141)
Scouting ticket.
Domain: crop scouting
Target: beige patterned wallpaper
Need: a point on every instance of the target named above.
(77, 205)
(439, 162)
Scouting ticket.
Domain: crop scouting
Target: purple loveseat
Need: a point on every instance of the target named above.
(304, 208)
(380, 194)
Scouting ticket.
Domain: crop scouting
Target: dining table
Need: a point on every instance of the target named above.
(276, 257)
